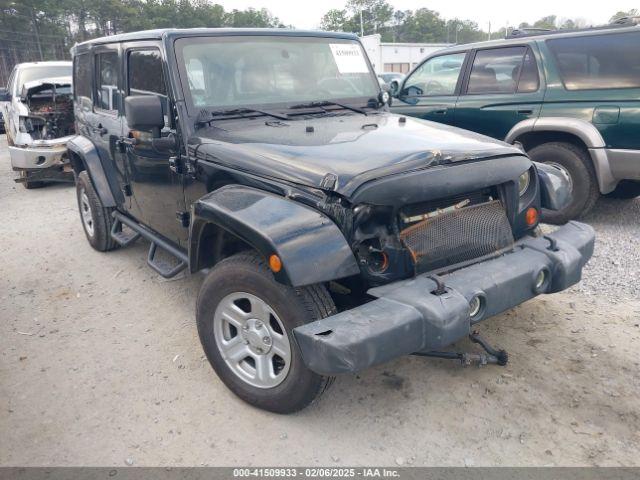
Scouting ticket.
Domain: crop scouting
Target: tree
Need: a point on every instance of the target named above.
(335, 20)
(629, 13)
(375, 14)
(252, 18)
(423, 25)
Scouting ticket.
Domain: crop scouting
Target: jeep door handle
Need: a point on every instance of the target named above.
(440, 111)
(525, 111)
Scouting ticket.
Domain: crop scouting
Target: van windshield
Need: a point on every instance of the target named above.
(258, 70)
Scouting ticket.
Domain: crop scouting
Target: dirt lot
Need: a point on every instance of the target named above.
(101, 365)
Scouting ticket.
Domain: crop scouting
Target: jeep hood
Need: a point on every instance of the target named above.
(340, 153)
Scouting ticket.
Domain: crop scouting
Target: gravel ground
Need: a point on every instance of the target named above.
(100, 364)
(614, 270)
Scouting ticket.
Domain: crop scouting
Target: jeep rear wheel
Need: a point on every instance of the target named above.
(96, 219)
(245, 321)
(576, 163)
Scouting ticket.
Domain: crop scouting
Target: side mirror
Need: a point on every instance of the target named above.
(5, 96)
(383, 97)
(144, 112)
(394, 88)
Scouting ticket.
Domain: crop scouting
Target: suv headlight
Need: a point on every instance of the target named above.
(523, 182)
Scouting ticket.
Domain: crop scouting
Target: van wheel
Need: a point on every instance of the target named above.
(626, 190)
(96, 219)
(576, 163)
(245, 321)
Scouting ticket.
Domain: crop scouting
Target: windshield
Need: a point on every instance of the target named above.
(43, 72)
(258, 70)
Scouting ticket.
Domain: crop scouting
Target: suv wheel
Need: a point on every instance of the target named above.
(577, 165)
(96, 219)
(245, 321)
(626, 190)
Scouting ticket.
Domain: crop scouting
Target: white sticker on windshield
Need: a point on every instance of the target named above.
(349, 58)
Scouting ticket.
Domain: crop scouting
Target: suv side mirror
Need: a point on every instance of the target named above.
(5, 96)
(144, 112)
(394, 88)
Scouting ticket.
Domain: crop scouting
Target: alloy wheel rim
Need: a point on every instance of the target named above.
(252, 340)
(85, 212)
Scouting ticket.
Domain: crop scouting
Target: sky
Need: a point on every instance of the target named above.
(307, 13)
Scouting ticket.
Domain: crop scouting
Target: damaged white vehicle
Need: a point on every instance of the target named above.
(37, 106)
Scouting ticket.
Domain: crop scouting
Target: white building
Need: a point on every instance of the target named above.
(396, 57)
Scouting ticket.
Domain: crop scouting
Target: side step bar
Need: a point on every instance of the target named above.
(163, 268)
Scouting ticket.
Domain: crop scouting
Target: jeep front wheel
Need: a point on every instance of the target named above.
(245, 321)
(576, 163)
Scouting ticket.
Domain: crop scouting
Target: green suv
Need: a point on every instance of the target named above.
(571, 99)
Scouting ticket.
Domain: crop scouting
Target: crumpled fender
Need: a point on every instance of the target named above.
(99, 172)
(555, 191)
(311, 247)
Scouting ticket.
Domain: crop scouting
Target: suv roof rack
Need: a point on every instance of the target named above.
(530, 32)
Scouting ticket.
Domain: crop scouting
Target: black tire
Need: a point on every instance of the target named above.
(626, 190)
(578, 165)
(30, 185)
(247, 272)
(102, 221)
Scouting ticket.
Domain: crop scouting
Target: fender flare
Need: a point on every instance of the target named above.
(582, 129)
(311, 247)
(88, 153)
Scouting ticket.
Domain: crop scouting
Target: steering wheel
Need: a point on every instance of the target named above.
(434, 86)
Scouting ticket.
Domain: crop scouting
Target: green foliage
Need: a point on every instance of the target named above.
(32, 30)
(46, 29)
(634, 12)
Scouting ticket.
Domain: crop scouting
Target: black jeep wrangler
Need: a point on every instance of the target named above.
(335, 235)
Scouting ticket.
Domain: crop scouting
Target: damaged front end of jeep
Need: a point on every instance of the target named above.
(441, 248)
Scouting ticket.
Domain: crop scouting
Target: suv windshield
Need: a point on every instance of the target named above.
(255, 70)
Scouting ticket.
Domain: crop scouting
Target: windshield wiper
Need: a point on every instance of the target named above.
(220, 114)
(328, 103)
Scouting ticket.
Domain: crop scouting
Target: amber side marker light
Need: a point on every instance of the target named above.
(531, 216)
(275, 264)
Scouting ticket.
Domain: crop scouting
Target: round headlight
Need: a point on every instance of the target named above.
(523, 182)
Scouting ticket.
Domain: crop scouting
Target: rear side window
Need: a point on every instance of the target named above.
(145, 73)
(82, 76)
(107, 81)
(599, 61)
(503, 70)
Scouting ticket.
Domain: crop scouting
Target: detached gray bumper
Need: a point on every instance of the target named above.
(408, 317)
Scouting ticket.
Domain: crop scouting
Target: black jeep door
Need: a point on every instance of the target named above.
(103, 122)
(158, 194)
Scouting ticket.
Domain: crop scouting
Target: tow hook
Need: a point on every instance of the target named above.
(492, 356)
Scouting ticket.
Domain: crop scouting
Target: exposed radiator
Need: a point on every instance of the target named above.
(458, 235)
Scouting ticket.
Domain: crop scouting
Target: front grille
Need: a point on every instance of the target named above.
(458, 235)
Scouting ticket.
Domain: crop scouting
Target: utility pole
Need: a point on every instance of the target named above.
(361, 24)
(489, 37)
